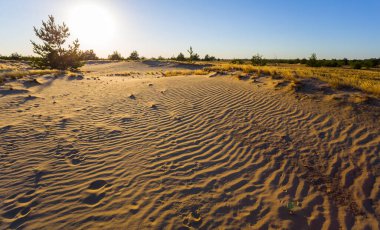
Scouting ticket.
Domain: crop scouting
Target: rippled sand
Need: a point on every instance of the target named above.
(148, 152)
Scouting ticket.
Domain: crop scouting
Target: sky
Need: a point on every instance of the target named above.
(222, 28)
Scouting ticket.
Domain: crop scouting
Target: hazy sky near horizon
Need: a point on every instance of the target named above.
(224, 28)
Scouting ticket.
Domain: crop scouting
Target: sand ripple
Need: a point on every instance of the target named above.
(184, 152)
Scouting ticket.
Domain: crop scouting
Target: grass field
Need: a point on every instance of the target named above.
(22, 73)
(365, 80)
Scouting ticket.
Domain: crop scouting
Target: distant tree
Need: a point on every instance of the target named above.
(303, 61)
(161, 58)
(193, 56)
(258, 60)
(15, 56)
(237, 61)
(313, 61)
(181, 57)
(134, 56)
(53, 54)
(88, 55)
(209, 58)
(356, 64)
(115, 56)
(191, 52)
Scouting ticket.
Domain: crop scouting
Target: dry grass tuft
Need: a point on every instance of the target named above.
(185, 72)
(365, 80)
(19, 74)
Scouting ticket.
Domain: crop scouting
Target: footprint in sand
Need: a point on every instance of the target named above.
(134, 207)
(95, 192)
(126, 118)
(152, 105)
(69, 153)
(132, 96)
(18, 207)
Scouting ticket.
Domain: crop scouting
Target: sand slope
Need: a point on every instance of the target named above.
(181, 153)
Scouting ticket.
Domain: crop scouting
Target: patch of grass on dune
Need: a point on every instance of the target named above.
(19, 74)
(170, 73)
(365, 80)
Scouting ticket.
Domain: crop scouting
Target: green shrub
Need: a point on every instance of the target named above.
(258, 60)
(115, 56)
(15, 56)
(88, 55)
(134, 56)
(356, 65)
(237, 61)
(313, 62)
(180, 57)
(209, 58)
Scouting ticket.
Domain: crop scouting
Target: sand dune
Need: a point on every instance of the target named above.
(188, 152)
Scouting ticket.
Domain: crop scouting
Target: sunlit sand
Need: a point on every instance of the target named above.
(189, 115)
(110, 150)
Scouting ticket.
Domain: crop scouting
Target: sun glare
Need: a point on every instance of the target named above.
(92, 24)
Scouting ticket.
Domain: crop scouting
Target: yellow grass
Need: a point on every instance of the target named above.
(185, 72)
(22, 73)
(364, 80)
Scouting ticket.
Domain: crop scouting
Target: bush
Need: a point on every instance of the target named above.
(181, 57)
(88, 55)
(195, 57)
(209, 58)
(258, 60)
(15, 56)
(313, 62)
(356, 65)
(134, 56)
(115, 56)
(237, 61)
(53, 54)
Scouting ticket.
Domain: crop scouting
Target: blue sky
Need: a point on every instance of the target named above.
(224, 28)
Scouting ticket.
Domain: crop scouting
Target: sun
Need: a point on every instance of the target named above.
(92, 24)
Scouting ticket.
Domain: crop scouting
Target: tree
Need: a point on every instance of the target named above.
(15, 56)
(115, 56)
(134, 56)
(345, 61)
(313, 61)
(88, 55)
(181, 57)
(191, 52)
(355, 64)
(52, 52)
(193, 56)
(258, 60)
(209, 58)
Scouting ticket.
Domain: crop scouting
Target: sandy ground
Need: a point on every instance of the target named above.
(190, 152)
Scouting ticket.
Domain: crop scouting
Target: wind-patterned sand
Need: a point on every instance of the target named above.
(182, 153)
